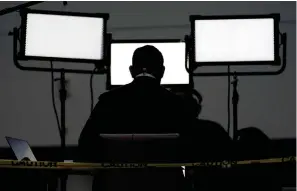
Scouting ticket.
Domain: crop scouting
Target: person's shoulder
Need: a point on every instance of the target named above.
(173, 101)
(170, 96)
(209, 123)
(213, 127)
(116, 92)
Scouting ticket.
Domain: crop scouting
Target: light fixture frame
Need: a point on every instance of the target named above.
(192, 53)
(25, 12)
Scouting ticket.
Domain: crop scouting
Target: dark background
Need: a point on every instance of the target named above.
(26, 108)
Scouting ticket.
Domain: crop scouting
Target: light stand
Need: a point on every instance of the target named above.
(235, 100)
(63, 98)
(62, 93)
(235, 96)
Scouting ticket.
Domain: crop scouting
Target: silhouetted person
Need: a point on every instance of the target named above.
(252, 144)
(208, 142)
(142, 106)
(207, 134)
(252, 135)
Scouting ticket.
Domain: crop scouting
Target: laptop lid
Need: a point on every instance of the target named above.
(21, 149)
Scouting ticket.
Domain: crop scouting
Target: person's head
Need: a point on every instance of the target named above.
(147, 59)
(252, 135)
(252, 141)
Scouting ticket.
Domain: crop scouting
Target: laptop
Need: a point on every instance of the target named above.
(21, 149)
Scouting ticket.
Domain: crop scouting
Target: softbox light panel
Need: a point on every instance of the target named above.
(237, 40)
(63, 36)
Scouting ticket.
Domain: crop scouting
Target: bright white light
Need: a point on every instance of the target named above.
(174, 62)
(234, 40)
(64, 36)
(184, 171)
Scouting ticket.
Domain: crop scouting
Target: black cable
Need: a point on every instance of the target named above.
(53, 97)
(228, 102)
(91, 89)
(19, 39)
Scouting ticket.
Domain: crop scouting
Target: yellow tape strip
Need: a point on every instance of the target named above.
(90, 166)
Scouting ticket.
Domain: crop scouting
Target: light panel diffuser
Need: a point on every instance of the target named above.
(174, 62)
(64, 36)
(234, 40)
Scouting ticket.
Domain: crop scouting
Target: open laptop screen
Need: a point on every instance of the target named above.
(21, 148)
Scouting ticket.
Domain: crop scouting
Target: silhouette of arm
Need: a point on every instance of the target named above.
(89, 140)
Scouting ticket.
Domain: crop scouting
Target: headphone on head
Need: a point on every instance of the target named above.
(198, 100)
(193, 99)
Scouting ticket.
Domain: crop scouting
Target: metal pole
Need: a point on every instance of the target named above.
(63, 97)
(19, 7)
